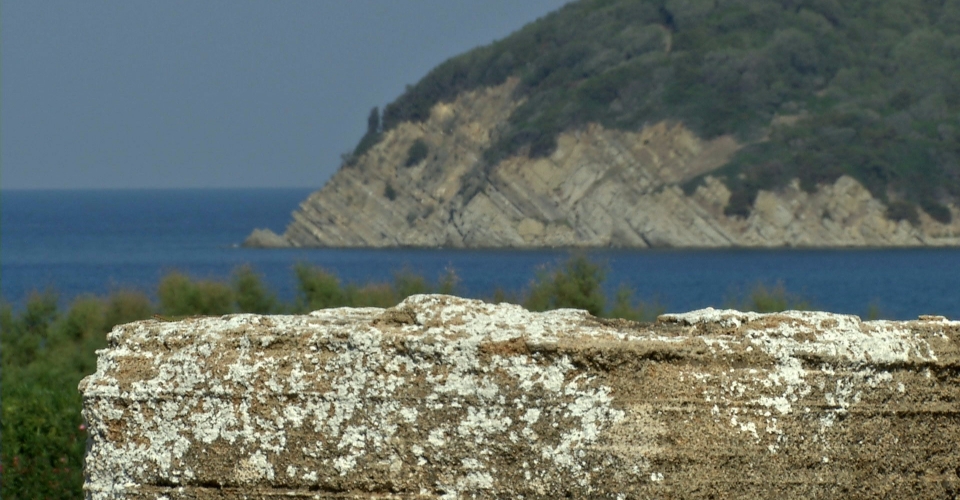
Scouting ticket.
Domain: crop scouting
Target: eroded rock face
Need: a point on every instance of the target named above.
(454, 398)
(600, 188)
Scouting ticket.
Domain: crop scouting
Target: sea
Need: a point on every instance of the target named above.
(77, 242)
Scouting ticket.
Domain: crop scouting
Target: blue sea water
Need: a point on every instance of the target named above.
(78, 242)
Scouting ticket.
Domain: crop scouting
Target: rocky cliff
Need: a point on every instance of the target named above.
(598, 188)
(442, 397)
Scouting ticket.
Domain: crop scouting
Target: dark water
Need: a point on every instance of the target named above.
(98, 241)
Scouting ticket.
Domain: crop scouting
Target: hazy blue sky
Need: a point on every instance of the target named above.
(129, 94)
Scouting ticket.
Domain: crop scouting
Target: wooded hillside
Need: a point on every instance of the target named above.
(816, 88)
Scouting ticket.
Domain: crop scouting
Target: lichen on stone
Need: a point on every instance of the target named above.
(448, 397)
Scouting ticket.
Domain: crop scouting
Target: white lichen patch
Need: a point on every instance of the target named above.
(253, 469)
(853, 350)
(727, 318)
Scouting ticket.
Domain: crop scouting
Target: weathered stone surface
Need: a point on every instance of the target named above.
(447, 397)
(599, 188)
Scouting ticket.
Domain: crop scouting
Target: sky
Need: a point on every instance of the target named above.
(215, 94)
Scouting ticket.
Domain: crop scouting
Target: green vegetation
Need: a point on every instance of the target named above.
(390, 192)
(46, 351)
(577, 284)
(181, 296)
(44, 355)
(574, 285)
(418, 152)
(774, 299)
(319, 289)
(251, 294)
(870, 87)
(369, 139)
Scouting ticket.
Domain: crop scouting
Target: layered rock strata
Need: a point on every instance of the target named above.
(442, 397)
(599, 188)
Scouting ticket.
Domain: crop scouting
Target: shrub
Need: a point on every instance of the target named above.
(43, 441)
(44, 357)
(40, 311)
(7, 334)
(407, 283)
(181, 296)
(937, 211)
(448, 282)
(251, 294)
(370, 295)
(25, 336)
(500, 296)
(875, 311)
(902, 210)
(625, 307)
(85, 319)
(317, 288)
(418, 152)
(765, 299)
(740, 203)
(369, 139)
(390, 192)
(574, 285)
(124, 306)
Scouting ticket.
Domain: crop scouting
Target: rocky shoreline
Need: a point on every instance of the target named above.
(600, 188)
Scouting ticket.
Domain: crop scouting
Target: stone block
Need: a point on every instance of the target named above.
(443, 397)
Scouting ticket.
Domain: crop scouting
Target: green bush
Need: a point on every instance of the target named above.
(501, 296)
(624, 306)
(389, 192)
(370, 295)
(937, 211)
(85, 319)
(43, 434)
(124, 306)
(251, 294)
(45, 354)
(26, 336)
(903, 210)
(369, 139)
(766, 299)
(181, 296)
(418, 152)
(875, 311)
(317, 289)
(407, 283)
(576, 284)
(449, 282)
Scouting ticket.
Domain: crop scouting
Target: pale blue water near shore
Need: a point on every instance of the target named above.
(97, 241)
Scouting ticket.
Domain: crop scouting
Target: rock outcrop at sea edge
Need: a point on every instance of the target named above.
(599, 188)
(442, 397)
